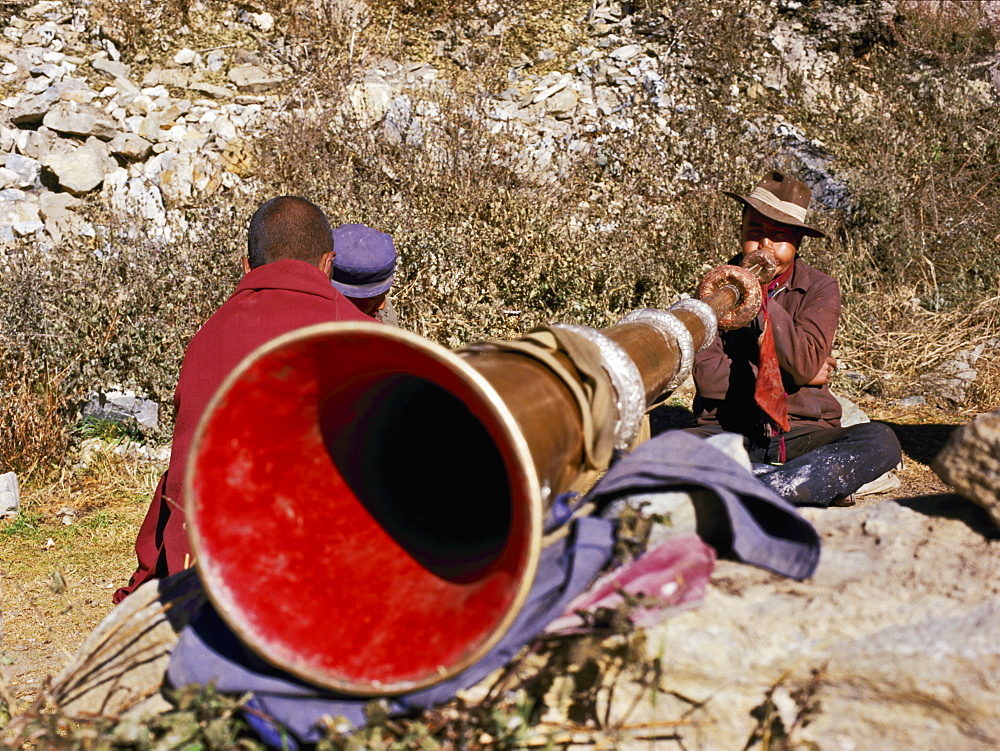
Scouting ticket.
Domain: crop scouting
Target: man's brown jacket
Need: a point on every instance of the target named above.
(804, 314)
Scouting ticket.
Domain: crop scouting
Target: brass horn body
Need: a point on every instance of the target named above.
(366, 507)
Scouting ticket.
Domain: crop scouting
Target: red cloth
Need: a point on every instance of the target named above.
(269, 301)
(769, 390)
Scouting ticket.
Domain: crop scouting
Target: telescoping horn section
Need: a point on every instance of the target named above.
(363, 508)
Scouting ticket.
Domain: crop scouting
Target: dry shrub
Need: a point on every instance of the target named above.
(131, 24)
(485, 251)
(35, 434)
(951, 30)
(120, 313)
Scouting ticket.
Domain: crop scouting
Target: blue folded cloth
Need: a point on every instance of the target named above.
(744, 517)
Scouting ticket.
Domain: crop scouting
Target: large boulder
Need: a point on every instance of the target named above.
(893, 644)
(970, 463)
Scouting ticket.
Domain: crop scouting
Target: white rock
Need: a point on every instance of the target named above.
(122, 405)
(37, 85)
(131, 146)
(178, 78)
(970, 462)
(43, 141)
(111, 49)
(111, 67)
(223, 128)
(151, 128)
(562, 104)
(133, 123)
(155, 92)
(369, 101)
(263, 21)
(187, 177)
(9, 179)
(254, 78)
(156, 164)
(74, 90)
(174, 134)
(19, 211)
(58, 58)
(57, 205)
(607, 100)
(545, 92)
(80, 120)
(29, 110)
(185, 56)
(627, 52)
(41, 36)
(83, 169)
(216, 60)
(10, 497)
(217, 92)
(896, 659)
(127, 91)
(245, 116)
(26, 169)
(136, 196)
(12, 139)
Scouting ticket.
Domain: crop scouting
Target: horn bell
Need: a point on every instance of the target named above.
(363, 508)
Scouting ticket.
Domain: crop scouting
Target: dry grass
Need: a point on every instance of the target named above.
(35, 436)
(58, 577)
(897, 342)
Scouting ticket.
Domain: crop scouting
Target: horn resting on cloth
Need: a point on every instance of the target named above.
(366, 507)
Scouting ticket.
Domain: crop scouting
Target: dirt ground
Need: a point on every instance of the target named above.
(61, 561)
(72, 546)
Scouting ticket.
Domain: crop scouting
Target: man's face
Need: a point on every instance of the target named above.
(781, 240)
(370, 306)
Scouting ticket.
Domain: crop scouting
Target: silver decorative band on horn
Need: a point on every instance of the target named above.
(704, 312)
(625, 377)
(672, 331)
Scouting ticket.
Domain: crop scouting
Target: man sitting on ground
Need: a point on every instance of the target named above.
(363, 269)
(286, 285)
(769, 381)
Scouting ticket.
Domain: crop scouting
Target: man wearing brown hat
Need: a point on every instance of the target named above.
(769, 381)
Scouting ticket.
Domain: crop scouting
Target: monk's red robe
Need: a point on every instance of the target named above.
(270, 301)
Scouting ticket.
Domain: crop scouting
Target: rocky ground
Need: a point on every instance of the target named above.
(891, 645)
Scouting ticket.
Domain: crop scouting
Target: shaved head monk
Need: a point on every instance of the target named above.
(285, 286)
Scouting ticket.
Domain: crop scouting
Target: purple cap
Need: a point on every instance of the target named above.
(364, 261)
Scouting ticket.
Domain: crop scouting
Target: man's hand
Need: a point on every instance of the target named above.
(823, 376)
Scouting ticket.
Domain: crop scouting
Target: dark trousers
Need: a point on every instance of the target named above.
(821, 464)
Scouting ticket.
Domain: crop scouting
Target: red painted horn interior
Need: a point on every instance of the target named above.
(359, 512)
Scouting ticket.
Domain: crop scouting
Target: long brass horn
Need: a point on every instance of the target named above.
(366, 507)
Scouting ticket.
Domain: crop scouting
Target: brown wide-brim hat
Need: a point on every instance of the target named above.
(781, 198)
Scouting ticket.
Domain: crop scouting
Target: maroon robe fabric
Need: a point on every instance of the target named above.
(269, 301)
